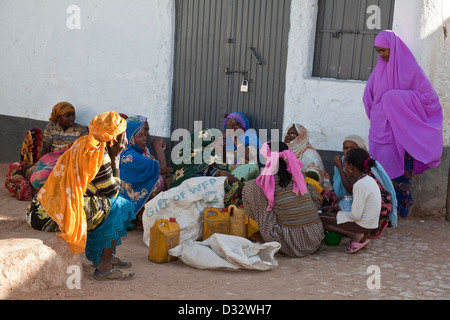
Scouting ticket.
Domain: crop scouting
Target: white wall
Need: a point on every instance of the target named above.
(121, 59)
(331, 109)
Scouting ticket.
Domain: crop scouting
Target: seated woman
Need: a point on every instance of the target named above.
(62, 129)
(159, 147)
(57, 135)
(18, 176)
(343, 185)
(139, 172)
(236, 158)
(364, 216)
(296, 137)
(95, 219)
(240, 147)
(192, 160)
(281, 202)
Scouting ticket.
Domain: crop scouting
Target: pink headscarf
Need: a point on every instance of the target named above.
(404, 111)
(266, 181)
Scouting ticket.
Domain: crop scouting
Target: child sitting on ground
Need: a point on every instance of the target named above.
(365, 211)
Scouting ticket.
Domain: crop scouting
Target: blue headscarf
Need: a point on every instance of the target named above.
(133, 128)
(138, 174)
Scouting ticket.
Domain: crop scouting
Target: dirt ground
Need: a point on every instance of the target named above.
(413, 262)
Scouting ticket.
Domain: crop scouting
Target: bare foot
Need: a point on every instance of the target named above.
(358, 237)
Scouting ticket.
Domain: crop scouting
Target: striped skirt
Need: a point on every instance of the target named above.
(295, 241)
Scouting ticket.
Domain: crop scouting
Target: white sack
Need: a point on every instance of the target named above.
(223, 251)
(186, 203)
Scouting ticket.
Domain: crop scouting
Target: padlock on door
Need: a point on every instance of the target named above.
(244, 86)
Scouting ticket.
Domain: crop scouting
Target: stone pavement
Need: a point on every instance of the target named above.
(412, 262)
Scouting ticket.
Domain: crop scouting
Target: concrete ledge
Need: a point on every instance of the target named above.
(34, 264)
(30, 260)
(14, 129)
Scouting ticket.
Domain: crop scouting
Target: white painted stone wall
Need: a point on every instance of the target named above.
(120, 59)
(331, 109)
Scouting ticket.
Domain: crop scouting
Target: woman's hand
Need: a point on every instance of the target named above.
(158, 143)
(337, 207)
(338, 161)
(118, 146)
(116, 149)
(160, 147)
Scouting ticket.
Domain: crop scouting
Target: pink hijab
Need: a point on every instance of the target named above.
(404, 111)
(266, 181)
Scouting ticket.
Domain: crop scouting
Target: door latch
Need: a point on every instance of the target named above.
(229, 71)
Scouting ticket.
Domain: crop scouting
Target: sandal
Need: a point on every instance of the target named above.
(116, 262)
(356, 246)
(349, 242)
(113, 274)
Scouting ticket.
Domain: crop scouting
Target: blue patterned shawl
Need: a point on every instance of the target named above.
(138, 174)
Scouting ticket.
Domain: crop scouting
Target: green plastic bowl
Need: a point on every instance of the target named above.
(332, 238)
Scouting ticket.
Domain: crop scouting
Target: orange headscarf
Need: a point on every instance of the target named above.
(60, 109)
(62, 194)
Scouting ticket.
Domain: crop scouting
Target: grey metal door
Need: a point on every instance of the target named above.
(221, 43)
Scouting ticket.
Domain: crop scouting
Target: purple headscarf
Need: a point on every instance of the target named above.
(404, 111)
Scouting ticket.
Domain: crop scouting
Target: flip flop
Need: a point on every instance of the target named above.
(356, 246)
(349, 242)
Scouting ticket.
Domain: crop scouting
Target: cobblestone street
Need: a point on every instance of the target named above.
(412, 261)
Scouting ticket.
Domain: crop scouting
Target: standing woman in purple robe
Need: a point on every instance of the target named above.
(405, 115)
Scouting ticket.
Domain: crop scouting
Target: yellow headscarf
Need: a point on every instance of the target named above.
(62, 194)
(60, 109)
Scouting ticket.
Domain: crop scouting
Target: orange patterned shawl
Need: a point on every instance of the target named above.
(62, 194)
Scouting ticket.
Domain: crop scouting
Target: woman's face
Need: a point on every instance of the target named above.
(291, 134)
(67, 120)
(146, 128)
(349, 145)
(141, 138)
(384, 53)
(233, 124)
